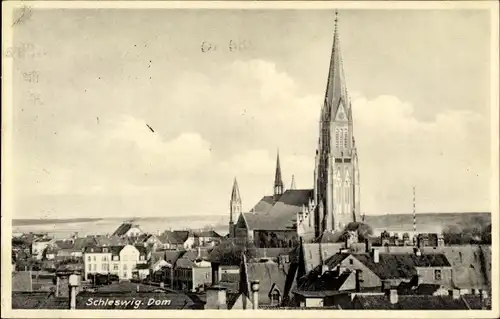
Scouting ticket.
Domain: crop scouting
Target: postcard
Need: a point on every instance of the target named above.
(290, 159)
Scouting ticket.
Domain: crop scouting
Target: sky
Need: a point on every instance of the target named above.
(419, 82)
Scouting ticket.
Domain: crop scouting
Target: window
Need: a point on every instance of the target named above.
(90, 267)
(103, 267)
(437, 274)
(89, 259)
(345, 138)
(104, 250)
(141, 257)
(275, 297)
(460, 255)
(94, 267)
(351, 261)
(104, 258)
(337, 138)
(341, 139)
(94, 258)
(115, 267)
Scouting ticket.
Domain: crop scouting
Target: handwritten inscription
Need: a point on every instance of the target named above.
(35, 98)
(24, 50)
(24, 14)
(231, 46)
(31, 76)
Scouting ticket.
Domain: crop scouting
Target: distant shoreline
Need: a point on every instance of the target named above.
(40, 221)
(27, 222)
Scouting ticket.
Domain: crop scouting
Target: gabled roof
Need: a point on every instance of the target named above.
(396, 266)
(264, 205)
(207, 233)
(283, 214)
(122, 229)
(269, 275)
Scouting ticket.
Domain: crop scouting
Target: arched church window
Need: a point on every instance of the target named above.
(347, 192)
(341, 139)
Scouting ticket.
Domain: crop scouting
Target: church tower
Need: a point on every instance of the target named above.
(234, 207)
(336, 173)
(278, 181)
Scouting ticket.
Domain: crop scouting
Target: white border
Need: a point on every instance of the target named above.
(7, 160)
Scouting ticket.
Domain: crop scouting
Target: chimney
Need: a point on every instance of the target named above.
(418, 252)
(393, 296)
(376, 256)
(358, 273)
(215, 273)
(255, 294)
(324, 269)
(216, 297)
(73, 283)
(368, 245)
(456, 293)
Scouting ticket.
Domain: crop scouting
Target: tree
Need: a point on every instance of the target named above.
(230, 251)
(486, 235)
(363, 230)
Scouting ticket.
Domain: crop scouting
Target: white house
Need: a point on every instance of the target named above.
(97, 260)
(128, 229)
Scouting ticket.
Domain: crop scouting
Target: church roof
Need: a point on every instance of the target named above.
(283, 214)
(264, 205)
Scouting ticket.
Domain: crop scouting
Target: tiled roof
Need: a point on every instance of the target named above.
(207, 233)
(282, 214)
(469, 272)
(122, 229)
(109, 241)
(169, 256)
(22, 281)
(313, 253)
(264, 205)
(174, 236)
(269, 274)
(395, 266)
(142, 266)
(420, 302)
(64, 244)
(326, 282)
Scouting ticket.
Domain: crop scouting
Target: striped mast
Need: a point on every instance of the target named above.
(414, 213)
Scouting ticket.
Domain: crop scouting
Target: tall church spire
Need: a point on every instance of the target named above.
(234, 207)
(278, 181)
(335, 89)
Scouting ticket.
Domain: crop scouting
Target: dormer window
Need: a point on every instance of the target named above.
(104, 250)
(275, 296)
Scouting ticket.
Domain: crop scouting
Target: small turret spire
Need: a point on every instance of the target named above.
(292, 186)
(278, 181)
(235, 193)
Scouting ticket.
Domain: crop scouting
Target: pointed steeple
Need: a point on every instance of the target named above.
(234, 207)
(235, 194)
(336, 88)
(278, 181)
(292, 186)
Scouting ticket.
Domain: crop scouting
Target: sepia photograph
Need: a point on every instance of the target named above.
(250, 156)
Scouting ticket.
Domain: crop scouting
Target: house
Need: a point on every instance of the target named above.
(141, 271)
(97, 260)
(207, 238)
(346, 272)
(192, 271)
(128, 229)
(118, 260)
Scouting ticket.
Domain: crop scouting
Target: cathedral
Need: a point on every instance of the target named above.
(286, 216)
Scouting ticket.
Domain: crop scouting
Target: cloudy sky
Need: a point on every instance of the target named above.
(419, 82)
